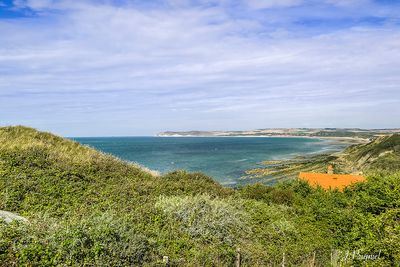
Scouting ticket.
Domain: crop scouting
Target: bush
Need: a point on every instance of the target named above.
(268, 194)
(207, 219)
(100, 240)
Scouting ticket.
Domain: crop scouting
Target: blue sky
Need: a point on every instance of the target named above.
(102, 68)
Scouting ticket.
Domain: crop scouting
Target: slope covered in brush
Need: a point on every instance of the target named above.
(86, 208)
(382, 153)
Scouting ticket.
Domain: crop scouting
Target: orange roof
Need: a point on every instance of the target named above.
(327, 181)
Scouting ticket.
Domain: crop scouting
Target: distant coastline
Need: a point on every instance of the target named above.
(339, 135)
(336, 140)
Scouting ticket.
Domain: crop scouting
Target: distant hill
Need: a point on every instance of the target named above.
(310, 132)
(80, 207)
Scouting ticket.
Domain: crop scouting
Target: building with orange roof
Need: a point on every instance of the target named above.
(330, 180)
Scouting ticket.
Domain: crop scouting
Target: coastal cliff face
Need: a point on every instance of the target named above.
(88, 208)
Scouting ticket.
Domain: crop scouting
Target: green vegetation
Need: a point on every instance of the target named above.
(383, 153)
(86, 208)
(345, 133)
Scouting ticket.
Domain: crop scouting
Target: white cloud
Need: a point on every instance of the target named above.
(261, 4)
(175, 67)
(348, 3)
(34, 4)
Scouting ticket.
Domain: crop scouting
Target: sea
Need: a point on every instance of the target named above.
(225, 159)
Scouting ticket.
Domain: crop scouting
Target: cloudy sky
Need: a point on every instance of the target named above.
(137, 67)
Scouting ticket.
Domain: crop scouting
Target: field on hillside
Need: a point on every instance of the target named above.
(86, 208)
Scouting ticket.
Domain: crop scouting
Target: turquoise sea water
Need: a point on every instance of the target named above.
(224, 158)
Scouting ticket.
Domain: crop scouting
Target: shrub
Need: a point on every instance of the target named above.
(207, 219)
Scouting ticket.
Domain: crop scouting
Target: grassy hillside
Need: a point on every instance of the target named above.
(381, 154)
(86, 208)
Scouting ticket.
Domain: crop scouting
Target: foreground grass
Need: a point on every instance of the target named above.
(86, 208)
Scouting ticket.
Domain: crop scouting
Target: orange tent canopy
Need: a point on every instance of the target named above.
(332, 181)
